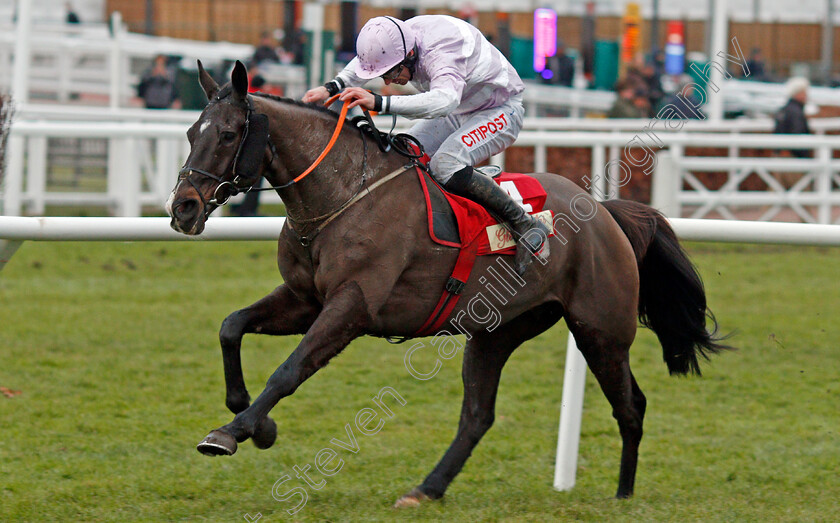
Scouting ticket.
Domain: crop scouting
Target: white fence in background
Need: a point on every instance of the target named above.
(753, 98)
(142, 164)
(86, 113)
(767, 97)
(143, 159)
(89, 60)
(806, 189)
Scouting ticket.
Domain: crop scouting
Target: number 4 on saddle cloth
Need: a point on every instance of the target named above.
(455, 221)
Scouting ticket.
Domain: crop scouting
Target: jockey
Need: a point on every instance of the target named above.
(470, 99)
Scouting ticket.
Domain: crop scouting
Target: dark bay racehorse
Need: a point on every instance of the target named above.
(355, 267)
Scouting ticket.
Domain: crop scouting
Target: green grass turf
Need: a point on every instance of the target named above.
(114, 347)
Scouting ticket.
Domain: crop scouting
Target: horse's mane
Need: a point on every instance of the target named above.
(314, 106)
(226, 90)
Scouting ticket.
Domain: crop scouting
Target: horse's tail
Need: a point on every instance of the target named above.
(672, 300)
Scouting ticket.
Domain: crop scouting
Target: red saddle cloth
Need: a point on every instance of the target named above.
(474, 223)
(479, 233)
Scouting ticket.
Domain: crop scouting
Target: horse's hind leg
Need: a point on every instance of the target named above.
(609, 360)
(279, 313)
(484, 357)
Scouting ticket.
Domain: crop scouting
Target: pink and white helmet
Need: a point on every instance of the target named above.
(383, 43)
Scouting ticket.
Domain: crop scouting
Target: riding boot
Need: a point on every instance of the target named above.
(483, 190)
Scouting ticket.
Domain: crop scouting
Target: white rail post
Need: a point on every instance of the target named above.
(13, 179)
(132, 182)
(498, 160)
(734, 152)
(329, 65)
(115, 60)
(112, 182)
(664, 185)
(612, 183)
(65, 59)
(571, 413)
(20, 73)
(576, 103)
(599, 174)
(677, 154)
(166, 166)
(313, 20)
(720, 26)
(823, 184)
(36, 175)
(540, 158)
(124, 179)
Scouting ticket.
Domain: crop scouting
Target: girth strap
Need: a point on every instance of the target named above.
(452, 290)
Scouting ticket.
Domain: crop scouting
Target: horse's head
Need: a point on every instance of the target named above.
(228, 147)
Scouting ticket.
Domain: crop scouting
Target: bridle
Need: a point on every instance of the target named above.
(251, 149)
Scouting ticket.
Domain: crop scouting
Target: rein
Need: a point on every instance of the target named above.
(341, 118)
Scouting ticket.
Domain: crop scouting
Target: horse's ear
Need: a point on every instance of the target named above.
(239, 80)
(207, 83)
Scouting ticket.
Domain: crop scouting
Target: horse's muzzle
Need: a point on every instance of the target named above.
(187, 216)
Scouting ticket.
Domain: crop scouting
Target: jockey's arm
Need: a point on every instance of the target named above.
(443, 97)
(433, 104)
(346, 78)
(446, 85)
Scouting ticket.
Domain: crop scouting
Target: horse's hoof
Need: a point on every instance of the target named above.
(266, 434)
(217, 443)
(411, 500)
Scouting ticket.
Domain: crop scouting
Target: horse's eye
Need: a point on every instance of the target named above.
(227, 136)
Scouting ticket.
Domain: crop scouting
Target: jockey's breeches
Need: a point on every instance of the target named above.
(458, 140)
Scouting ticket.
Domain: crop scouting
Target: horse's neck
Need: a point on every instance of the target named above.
(299, 137)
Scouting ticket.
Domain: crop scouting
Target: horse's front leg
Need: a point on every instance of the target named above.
(343, 318)
(280, 313)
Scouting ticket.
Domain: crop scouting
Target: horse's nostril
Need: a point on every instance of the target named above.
(185, 209)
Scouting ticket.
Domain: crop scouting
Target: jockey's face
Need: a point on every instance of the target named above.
(401, 79)
(400, 74)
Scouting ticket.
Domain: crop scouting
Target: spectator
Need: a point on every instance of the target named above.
(685, 101)
(755, 64)
(651, 75)
(625, 103)
(266, 51)
(633, 76)
(157, 87)
(298, 49)
(641, 101)
(286, 56)
(791, 118)
(72, 17)
(562, 65)
(256, 82)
